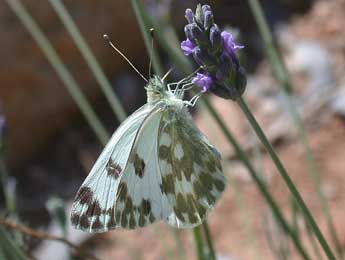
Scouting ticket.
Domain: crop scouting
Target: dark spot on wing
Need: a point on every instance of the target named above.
(132, 222)
(84, 221)
(146, 206)
(113, 169)
(94, 209)
(84, 195)
(122, 191)
(111, 224)
(75, 219)
(168, 184)
(97, 225)
(164, 152)
(139, 166)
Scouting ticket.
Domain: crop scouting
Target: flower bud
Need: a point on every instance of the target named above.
(241, 80)
(208, 20)
(204, 81)
(188, 32)
(224, 69)
(189, 15)
(203, 58)
(199, 15)
(198, 34)
(206, 8)
(216, 39)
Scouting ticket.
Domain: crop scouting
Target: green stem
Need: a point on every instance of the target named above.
(145, 25)
(199, 243)
(61, 70)
(9, 248)
(212, 253)
(314, 173)
(313, 242)
(90, 59)
(287, 179)
(258, 180)
(275, 60)
(281, 73)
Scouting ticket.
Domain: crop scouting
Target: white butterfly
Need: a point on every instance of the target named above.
(157, 165)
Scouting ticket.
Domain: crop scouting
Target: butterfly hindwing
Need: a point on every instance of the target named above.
(93, 209)
(139, 198)
(190, 166)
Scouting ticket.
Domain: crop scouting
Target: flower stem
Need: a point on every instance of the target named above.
(259, 182)
(65, 76)
(199, 243)
(90, 59)
(281, 169)
(144, 24)
(207, 233)
(275, 60)
(281, 73)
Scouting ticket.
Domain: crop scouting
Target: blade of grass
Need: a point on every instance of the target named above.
(282, 171)
(207, 232)
(90, 59)
(275, 60)
(8, 248)
(281, 73)
(199, 243)
(145, 25)
(258, 181)
(65, 76)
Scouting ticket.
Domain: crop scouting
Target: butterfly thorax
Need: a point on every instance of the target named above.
(157, 92)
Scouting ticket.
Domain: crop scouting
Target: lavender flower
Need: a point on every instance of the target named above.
(187, 47)
(215, 52)
(189, 15)
(230, 47)
(203, 81)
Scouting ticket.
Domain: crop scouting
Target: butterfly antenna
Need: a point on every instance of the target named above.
(167, 74)
(107, 38)
(152, 31)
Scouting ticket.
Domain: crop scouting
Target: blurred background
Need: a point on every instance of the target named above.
(48, 147)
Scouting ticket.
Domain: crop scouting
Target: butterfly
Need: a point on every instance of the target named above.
(157, 165)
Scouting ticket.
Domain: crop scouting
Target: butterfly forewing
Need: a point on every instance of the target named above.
(93, 208)
(190, 166)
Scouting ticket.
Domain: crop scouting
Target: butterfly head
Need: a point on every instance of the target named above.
(157, 90)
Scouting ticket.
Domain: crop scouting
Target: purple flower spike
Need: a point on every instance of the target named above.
(203, 81)
(229, 44)
(187, 47)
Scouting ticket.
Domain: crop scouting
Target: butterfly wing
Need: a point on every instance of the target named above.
(93, 206)
(173, 173)
(139, 200)
(190, 167)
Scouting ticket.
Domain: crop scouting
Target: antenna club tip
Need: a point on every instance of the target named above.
(106, 37)
(152, 30)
